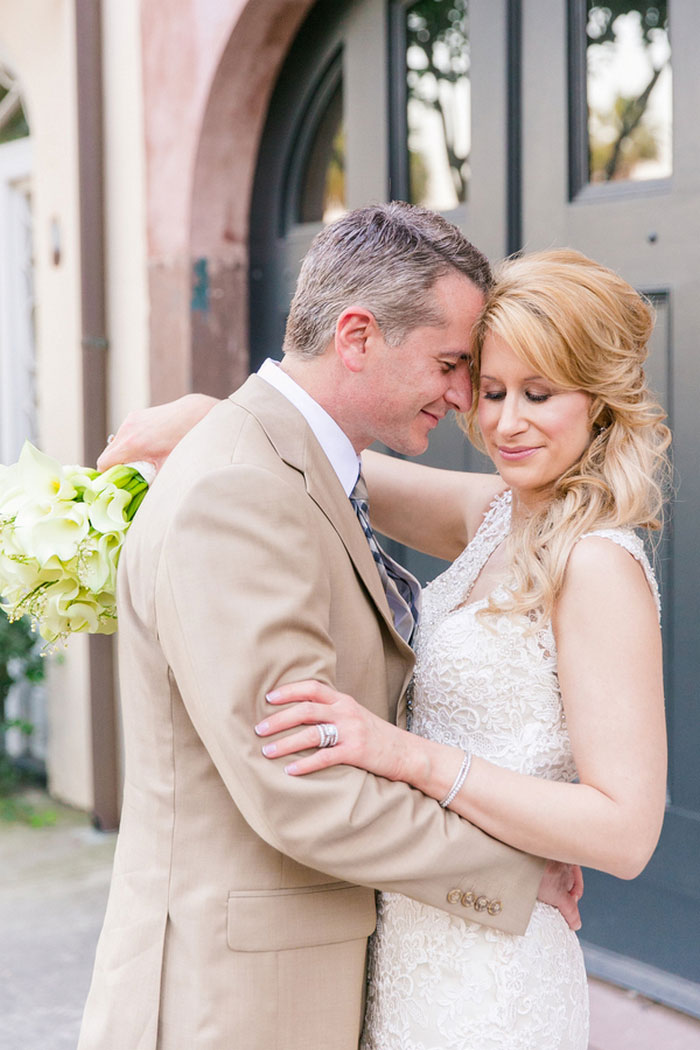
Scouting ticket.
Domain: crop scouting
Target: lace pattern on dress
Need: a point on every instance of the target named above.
(436, 981)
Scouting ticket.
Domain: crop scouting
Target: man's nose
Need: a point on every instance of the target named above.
(459, 392)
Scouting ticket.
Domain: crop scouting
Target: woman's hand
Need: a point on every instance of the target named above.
(150, 434)
(364, 739)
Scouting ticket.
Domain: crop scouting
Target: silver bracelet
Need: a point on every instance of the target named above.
(459, 779)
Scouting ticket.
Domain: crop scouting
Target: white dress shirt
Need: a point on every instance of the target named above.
(334, 441)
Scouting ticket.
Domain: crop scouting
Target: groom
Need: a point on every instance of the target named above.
(242, 899)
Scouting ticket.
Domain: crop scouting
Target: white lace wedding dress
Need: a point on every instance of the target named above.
(437, 982)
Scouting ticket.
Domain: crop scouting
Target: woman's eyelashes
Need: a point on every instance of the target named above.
(536, 397)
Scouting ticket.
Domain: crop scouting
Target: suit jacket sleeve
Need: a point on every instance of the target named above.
(242, 604)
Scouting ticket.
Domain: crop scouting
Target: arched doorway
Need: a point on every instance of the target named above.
(223, 174)
(534, 179)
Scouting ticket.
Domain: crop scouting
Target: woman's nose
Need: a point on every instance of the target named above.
(511, 420)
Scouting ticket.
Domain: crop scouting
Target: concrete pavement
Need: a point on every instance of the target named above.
(623, 1020)
(53, 889)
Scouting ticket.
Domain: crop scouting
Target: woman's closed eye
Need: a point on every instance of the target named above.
(535, 396)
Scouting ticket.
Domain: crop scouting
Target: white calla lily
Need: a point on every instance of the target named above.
(49, 530)
(42, 477)
(98, 564)
(83, 615)
(107, 511)
(12, 492)
(54, 611)
(83, 481)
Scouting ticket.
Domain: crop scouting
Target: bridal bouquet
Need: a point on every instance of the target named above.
(61, 533)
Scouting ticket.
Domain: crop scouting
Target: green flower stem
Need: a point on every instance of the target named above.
(136, 500)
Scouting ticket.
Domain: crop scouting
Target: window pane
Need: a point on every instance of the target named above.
(322, 196)
(628, 56)
(438, 116)
(13, 123)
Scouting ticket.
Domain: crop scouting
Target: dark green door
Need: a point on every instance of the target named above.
(530, 123)
(611, 166)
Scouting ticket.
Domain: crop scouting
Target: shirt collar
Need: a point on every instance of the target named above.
(334, 441)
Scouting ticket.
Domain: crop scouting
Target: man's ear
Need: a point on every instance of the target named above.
(356, 327)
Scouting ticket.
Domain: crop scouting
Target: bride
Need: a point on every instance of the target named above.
(537, 708)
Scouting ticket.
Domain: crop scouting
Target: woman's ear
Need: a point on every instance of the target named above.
(356, 327)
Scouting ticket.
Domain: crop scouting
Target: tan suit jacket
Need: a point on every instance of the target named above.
(242, 899)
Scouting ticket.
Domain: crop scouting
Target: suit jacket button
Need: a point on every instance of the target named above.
(454, 896)
(481, 903)
(468, 899)
(495, 908)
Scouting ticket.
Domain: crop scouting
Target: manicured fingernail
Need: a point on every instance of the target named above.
(262, 727)
(271, 697)
(269, 749)
(291, 770)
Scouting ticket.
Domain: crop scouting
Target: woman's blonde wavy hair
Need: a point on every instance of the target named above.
(582, 327)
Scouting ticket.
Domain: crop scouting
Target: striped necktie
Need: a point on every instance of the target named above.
(402, 589)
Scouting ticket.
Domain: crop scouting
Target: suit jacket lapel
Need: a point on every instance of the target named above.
(296, 444)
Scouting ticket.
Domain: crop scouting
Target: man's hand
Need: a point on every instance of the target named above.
(151, 434)
(562, 887)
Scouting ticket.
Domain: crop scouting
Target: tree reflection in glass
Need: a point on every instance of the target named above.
(322, 197)
(629, 91)
(438, 102)
(13, 123)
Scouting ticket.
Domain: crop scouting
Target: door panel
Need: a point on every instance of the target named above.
(523, 56)
(649, 234)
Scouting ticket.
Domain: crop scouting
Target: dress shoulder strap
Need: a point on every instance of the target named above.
(634, 545)
(496, 520)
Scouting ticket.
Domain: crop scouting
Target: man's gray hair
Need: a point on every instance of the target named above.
(386, 258)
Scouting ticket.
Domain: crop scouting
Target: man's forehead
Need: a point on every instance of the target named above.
(458, 292)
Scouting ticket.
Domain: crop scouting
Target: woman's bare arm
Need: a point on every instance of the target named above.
(609, 662)
(609, 652)
(152, 433)
(431, 510)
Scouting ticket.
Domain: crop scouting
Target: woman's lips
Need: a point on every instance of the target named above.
(517, 453)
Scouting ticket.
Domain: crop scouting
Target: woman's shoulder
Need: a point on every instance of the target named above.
(604, 560)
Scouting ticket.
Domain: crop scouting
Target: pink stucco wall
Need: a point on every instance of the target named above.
(209, 67)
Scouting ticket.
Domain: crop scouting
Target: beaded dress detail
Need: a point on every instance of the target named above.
(488, 685)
